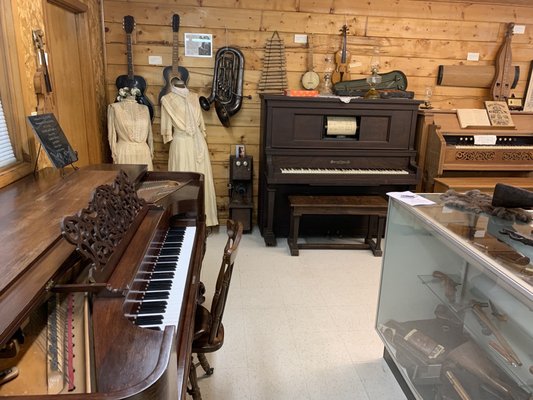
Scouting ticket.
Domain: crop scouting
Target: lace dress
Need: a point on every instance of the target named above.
(182, 124)
(130, 133)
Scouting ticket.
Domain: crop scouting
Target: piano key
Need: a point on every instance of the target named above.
(148, 320)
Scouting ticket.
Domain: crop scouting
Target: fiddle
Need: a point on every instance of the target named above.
(342, 70)
(501, 85)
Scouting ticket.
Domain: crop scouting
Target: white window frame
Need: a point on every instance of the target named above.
(12, 100)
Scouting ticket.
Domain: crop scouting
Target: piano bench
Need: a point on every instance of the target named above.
(375, 207)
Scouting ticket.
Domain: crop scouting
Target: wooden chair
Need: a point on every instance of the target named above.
(208, 328)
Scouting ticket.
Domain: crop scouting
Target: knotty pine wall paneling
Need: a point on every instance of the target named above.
(412, 36)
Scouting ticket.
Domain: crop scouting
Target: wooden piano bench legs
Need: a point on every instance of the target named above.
(375, 207)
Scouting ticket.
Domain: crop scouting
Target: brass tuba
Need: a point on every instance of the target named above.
(228, 78)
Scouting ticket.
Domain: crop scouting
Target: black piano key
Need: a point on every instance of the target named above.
(149, 320)
(161, 267)
(156, 295)
(152, 307)
(163, 275)
(159, 285)
(169, 251)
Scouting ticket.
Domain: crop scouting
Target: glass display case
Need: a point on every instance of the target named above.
(456, 303)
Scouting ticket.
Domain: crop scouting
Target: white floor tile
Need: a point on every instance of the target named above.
(297, 328)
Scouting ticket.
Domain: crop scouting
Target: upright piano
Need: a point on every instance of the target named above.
(99, 285)
(477, 158)
(322, 145)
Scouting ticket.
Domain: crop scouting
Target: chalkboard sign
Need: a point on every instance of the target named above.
(53, 139)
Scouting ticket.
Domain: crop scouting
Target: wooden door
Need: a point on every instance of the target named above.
(72, 78)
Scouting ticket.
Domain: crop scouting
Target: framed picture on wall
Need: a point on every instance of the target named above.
(528, 96)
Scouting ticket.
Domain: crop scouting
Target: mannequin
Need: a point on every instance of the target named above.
(182, 124)
(130, 132)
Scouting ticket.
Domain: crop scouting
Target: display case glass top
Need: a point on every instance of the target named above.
(456, 302)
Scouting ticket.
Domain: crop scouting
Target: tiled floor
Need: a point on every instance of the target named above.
(297, 327)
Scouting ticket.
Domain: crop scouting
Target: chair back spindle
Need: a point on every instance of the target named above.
(234, 231)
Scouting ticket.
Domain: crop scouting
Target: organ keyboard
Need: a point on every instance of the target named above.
(99, 294)
(323, 146)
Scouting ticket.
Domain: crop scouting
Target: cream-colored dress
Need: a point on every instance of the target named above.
(130, 133)
(182, 124)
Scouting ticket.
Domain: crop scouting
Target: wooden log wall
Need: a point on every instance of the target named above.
(412, 36)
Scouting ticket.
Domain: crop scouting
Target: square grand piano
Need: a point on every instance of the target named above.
(113, 319)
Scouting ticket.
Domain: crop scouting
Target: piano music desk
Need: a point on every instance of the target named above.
(375, 207)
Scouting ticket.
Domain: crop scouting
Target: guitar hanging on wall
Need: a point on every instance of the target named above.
(131, 80)
(174, 75)
(41, 80)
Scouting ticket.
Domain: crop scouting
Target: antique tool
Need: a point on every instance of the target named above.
(342, 57)
(228, 79)
(456, 384)
(174, 75)
(503, 344)
(519, 237)
(470, 357)
(501, 85)
(449, 285)
(130, 80)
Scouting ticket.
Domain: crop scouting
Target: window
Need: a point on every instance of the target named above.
(15, 148)
(7, 156)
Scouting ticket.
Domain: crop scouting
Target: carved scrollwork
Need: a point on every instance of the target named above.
(475, 155)
(517, 156)
(98, 229)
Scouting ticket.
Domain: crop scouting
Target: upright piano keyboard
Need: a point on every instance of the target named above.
(321, 145)
(114, 318)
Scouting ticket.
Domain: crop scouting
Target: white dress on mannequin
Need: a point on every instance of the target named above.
(129, 132)
(182, 124)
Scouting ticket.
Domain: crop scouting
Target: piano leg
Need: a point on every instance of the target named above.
(268, 231)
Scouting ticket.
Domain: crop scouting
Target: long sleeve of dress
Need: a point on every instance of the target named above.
(111, 131)
(166, 123)
(150, 140)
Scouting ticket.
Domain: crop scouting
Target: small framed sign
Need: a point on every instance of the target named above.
(53, 140)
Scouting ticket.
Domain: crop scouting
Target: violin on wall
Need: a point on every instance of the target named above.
(342, 57)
